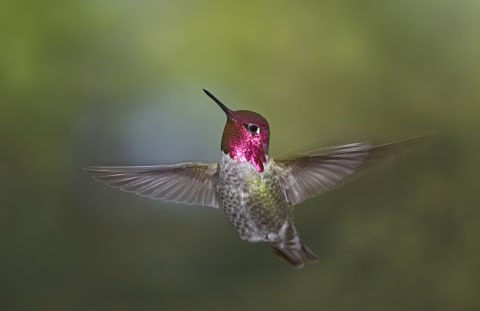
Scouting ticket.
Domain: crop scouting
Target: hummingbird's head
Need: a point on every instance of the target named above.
(246, 135)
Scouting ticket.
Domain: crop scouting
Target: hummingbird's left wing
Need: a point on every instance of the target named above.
(187, 183)
(320, 170)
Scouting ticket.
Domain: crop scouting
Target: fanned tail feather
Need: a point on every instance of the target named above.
(295, 257)
(291, 248)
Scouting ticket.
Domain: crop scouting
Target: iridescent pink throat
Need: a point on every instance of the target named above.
(248, 153)
(244, 146)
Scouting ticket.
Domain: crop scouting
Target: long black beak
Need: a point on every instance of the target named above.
(227, 111)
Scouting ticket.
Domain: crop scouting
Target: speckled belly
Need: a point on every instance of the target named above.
(254, 202)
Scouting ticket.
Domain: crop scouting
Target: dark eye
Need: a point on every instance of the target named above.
(252, 128)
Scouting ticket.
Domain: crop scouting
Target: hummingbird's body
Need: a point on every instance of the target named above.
(250, 190)
(253, 201)
(255, 205)
(257, 193)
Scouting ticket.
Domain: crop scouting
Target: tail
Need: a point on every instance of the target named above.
(291, 248)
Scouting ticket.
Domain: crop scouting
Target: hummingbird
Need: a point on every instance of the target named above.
(257, 192)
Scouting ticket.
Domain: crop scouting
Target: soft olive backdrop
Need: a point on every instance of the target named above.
(119, 82)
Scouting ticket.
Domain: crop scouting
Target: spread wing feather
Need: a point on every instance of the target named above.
(320, 170)
(187, 183)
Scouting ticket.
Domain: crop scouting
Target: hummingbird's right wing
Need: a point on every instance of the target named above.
(320, 170)
(187, 183)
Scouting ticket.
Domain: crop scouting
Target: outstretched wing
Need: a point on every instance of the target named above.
(187, 183)
(320, 170)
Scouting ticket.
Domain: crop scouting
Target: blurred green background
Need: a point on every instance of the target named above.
(119, 82)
